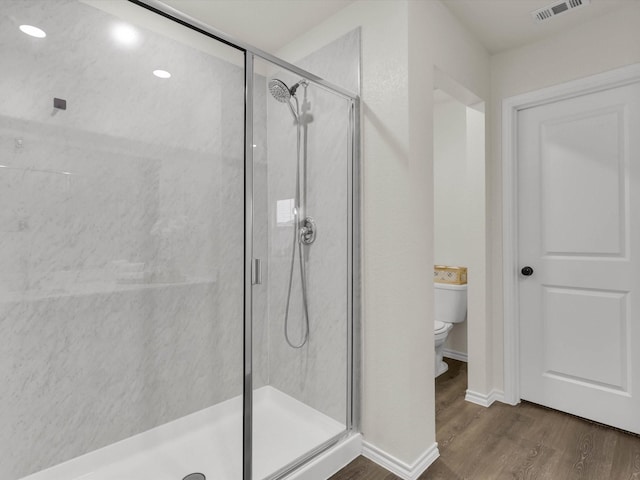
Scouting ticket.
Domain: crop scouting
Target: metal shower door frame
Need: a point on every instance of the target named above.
(353, 234)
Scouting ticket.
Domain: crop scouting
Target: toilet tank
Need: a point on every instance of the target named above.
(450, 302)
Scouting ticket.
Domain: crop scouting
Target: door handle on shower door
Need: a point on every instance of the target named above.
(256, 272)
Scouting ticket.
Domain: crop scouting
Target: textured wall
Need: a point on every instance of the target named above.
(138, 177)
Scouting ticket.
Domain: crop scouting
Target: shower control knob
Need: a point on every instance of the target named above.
(527, 271)
(307, 231)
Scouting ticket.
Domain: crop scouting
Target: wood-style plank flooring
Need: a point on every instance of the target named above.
(527, 442)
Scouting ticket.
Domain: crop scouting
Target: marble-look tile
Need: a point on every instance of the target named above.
(337, 62)
(84, 371)
(260, 234)
(317, 373)
(121, 234)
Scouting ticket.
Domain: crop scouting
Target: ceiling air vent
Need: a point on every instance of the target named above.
(557, 8)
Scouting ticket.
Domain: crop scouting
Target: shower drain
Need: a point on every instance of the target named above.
(195, 476)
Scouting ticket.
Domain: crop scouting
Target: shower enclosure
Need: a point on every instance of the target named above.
(178, 261)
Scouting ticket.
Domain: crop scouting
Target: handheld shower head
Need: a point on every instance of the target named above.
(279, 90)
(283, 94)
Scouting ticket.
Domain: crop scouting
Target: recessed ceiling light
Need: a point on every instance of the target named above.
(33, 31)
(162, 74)
(125, 34)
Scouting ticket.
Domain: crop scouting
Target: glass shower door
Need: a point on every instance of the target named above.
(301, 239)
(121, 245)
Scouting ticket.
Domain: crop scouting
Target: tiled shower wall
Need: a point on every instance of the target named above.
(121, 233)
(317, 373)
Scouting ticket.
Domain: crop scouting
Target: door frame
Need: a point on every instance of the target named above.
(511, 106)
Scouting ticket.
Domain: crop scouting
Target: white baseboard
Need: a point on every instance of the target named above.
(398, 467)
(484, 400)
(463, 357)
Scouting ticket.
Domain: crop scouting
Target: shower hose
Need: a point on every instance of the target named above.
(297, 244)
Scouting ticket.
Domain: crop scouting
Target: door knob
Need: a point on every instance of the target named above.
(527, 271)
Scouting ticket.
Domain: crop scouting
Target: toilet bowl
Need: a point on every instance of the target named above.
(441, 332)
(450, 308)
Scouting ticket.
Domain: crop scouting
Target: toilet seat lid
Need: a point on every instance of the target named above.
(438, 325)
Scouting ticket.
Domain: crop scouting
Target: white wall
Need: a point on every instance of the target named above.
(451, 197)
(402, 43)
(459, 224)
(606, 43)
(442, 44)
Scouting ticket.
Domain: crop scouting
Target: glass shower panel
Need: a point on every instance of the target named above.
(301, 314)
(121, 245)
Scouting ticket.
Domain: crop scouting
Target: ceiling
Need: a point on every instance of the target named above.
(266, 24)
(505, 24)
(498, 24)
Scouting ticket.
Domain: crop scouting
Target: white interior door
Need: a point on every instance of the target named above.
(579, 231)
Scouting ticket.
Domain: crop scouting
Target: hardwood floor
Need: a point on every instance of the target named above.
(527, 442)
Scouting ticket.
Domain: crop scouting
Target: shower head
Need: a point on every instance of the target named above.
(279, 90)
(283, 94)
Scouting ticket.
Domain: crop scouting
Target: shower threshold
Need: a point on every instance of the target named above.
(208, 441)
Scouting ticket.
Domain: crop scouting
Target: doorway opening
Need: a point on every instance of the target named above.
(460, 232)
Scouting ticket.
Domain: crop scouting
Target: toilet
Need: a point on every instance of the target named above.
(450, 307)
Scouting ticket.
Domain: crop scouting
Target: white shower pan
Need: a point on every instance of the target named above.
(210, 442)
